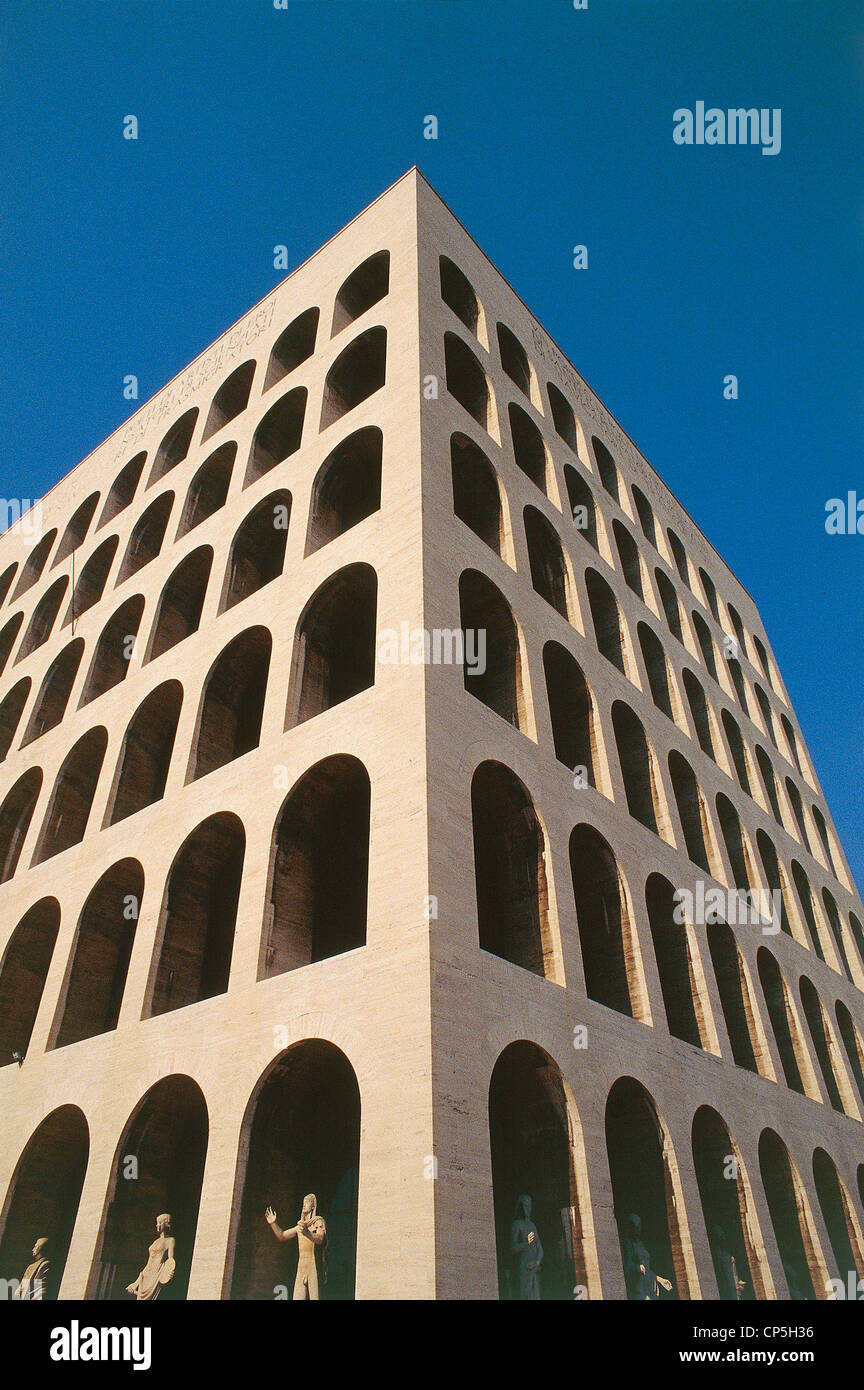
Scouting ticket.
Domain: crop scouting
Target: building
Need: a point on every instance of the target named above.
(289, 907)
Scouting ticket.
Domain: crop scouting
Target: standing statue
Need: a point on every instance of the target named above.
(160, 1266)
(526, 1251)
(32, 1287)
(728, 1283)
(310, 1232)
(642, 1283)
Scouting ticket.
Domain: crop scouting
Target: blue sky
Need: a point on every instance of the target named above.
(261, 127)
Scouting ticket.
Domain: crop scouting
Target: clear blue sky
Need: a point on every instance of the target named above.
(261, 127)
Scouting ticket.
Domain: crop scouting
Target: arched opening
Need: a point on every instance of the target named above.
(851, 1043)
(674, 966)
(775, 877)
(691, 811)
(628, 554)
(96, 977)
(571, 711)
(699, 711)
(295, 345)
(679, 555)
(563, 417)
(7, 638)
(706, 643)
(6, 579)
(258, 549)
(639, 1154)
(763, 658)
(671, 607)
(334, 646)
(724, 1208)
(582, 506)
(498, 685)
(785, 1204)
(232, 703)
(765, 710)
(147, 536)
(476, 494)
(645, 513)
(357, 374)
(11, 710)
(15, 816)
(734, 995)
(769, 782)
(606, 468)
(167, 1133)
(836, 925)
(77, 529)
(230, 400)
(738, 751)
(510, 871)
(301, 1134)
(36, 562)
(466, 380)
(782, 1023)
(822, 828)
(805, 898)
(738, 682)
(123, 489)
(23, 971)
(836, 1214)
(278, 435)
(656, 669)
(532, 1127)
(114, 651)
(458, 294)
(174, 446)
(208, 489)
(347, 487)
(546, 559)
(710, 592)
(606, 619)
(637, 766)
(69, 808)
(199, 910)
(739, 628)
(514, 359)
(365, 286)
(91, 582)
(316, 904)
(42, 621)
(798, 812)
(529, 449)
(605, 932)
(821, 1041)
(146, 755)
(733, 839)
(181, 602)
(44, 1194)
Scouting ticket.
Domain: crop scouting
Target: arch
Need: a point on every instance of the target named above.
(458, 294)
(77, 529)
(628, 554)
(852, 1044)
(734, 995)
(645, 513)
(510, 871)
(640, 1165)
(147, 536)
(529, 448)
(606, 935)
(775, 877)
(114, 650)
(192, 958)
(69, 808)
(563, 417)
(638, 770)
(466, 379)
(841, 1228)
(822, 828)
(483, 608)
(672, 951)
(300, 1134)
(546, 560)
(123, 489)
(174, 446)
(571, 710)
(736, 848)
(798, 812)
(7, 638)
(533, 1136)
(656, 668)
(783, 1024)
(99, 960)
(278, 434)
(334, 644)
(765, 710)
(583, 508)
(836, 925)
(232, 703)
(763, 658)
(738, 682)
(35, 564)
(476, 491)
(606, 468)
(769, 782)
(257, 550)
(788, 1218)
(316, 903)
(295, 345)
(738, 751)
(691, 812)
(706, 643)
(6, 579)
(347, 487)
(42, 620)
(11, 709)
(167, 1132)
(710, 591)
(15, 816)
(23, 971)
(208, 489)
(606, 619)
(368, 284)
(142, 768)
(739, 628)
(514, 359)
(671, 607)
(698, 703)
(92, 580)
(44, 1194)
(725, 1208)
(679, 555)
(805, 898)
(230, 400)
(358, 372)
(822, 1041)
(181, 602)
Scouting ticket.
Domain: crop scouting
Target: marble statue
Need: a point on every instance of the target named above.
(160, 1266)
(642, 1283)
(310, 1232)
(32, 1287)
(526, 1251)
